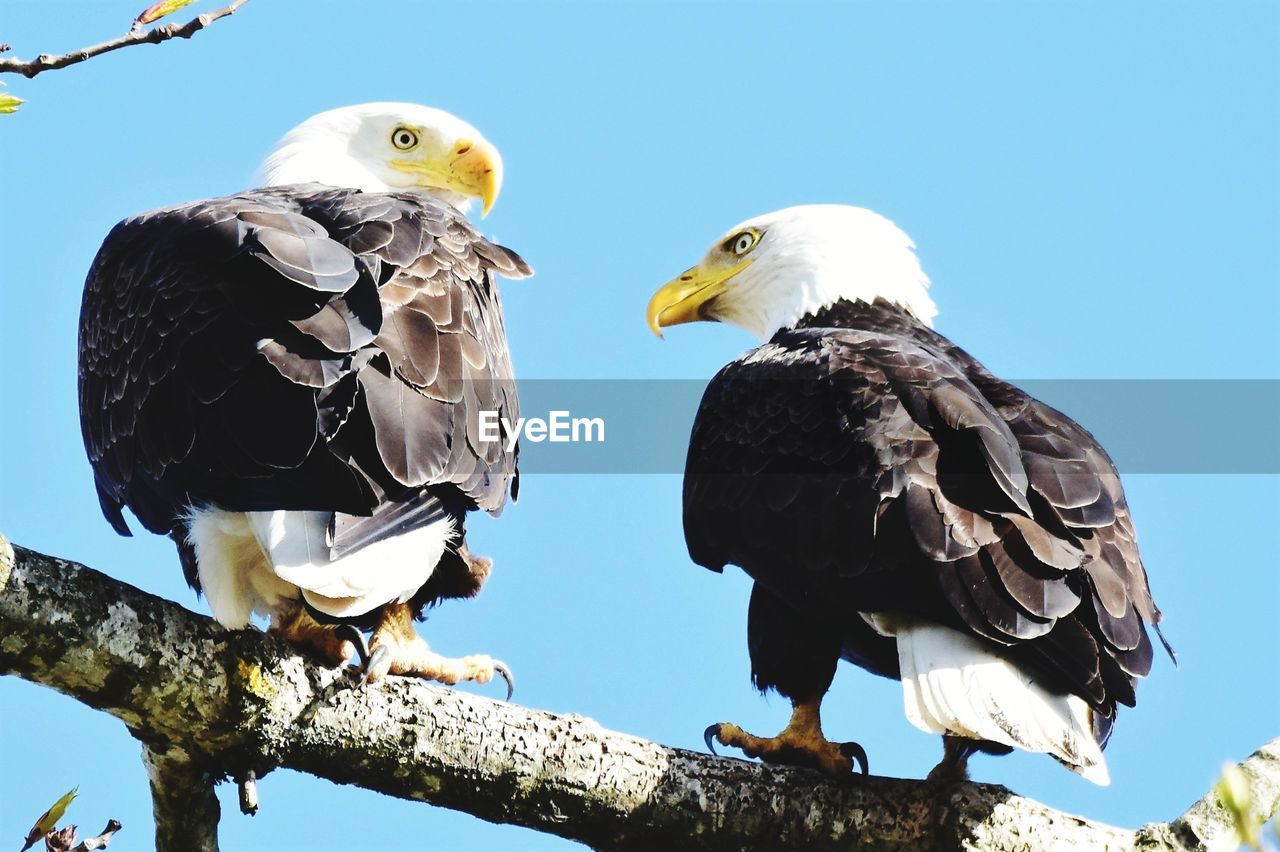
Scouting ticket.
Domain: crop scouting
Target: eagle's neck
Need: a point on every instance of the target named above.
(317, 158)
(812, 262)
(878, 314)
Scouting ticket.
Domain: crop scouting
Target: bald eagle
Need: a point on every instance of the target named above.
(287, 381)
(900, 507)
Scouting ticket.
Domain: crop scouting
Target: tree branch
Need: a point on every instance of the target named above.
(210, 704)
(185, 807)
(136, 35)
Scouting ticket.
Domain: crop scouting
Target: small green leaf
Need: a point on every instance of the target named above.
(48, 820)
(9, 103)
(159, 10)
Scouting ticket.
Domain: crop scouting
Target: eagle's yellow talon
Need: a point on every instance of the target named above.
(404, 652)
(325, 642)
(801, 743)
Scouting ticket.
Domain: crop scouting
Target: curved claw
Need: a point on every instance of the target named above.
(709, 737)
(378, 664)
(856, 753)
(353, 635)
(501, 670)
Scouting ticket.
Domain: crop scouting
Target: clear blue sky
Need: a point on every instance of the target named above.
(1093, 190)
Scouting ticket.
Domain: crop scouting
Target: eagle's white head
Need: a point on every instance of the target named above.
(383, 147)
(766, 273)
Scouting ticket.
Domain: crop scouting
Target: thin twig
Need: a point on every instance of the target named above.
(100, 842)
(45, 62)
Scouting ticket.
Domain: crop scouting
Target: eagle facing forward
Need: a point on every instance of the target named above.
(288, 382)
(902, 508)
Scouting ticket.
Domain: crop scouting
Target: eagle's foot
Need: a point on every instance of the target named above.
(801, 743)
(298, 628)
(396, 648)
(954, 766)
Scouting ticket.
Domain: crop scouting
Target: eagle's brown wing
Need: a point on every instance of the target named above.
(298, 347)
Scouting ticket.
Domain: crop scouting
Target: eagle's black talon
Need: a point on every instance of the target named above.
(709, 737)
(355, 636)
(501, 670)
(378, 665)
(857, 753)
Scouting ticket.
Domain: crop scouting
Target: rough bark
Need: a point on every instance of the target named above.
(212, 704)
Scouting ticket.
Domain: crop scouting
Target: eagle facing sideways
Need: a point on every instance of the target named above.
(900, 507)
(287, 382)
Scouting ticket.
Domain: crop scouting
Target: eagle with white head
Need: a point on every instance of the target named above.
(900, 507)
(287, 381)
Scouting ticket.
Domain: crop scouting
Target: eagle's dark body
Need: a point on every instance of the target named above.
(861, 462)
(301, 348)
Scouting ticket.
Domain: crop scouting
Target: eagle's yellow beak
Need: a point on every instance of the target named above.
(472, 168)
(685, 299)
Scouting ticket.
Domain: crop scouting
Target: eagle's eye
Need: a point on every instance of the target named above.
(404, 139)
(742, 243)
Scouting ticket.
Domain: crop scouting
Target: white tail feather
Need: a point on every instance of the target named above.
(263, 562)
(392, 569)
(953, 684)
